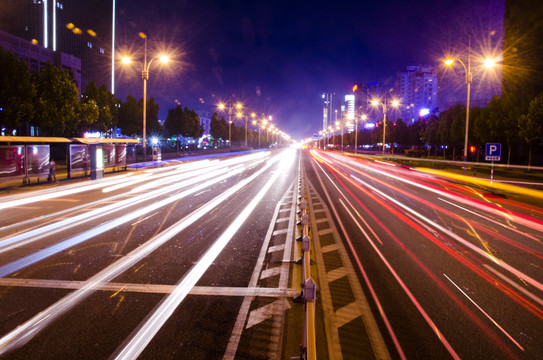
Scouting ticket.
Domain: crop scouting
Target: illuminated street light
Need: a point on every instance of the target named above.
(246, 130)
(395, 103)
(488, 63)
(145, 66)
(363, 117)
(230, 108)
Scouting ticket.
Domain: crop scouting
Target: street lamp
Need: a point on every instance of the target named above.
(246, 130)
(145, 76)
(395, 103)
(230, 108)
(363, 117)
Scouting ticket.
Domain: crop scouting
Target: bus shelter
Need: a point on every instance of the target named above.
(113, 154)
(26, 157)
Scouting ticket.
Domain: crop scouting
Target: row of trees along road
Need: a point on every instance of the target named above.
(50, 101)
(518, 126)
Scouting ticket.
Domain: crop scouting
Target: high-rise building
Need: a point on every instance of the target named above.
(327, 111)
(418, 92)
(350, 112)
(82, 28)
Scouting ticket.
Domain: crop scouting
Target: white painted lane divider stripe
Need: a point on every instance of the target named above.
(159, 317)
(26, 331)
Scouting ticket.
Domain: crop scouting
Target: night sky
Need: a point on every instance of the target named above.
(278, 57)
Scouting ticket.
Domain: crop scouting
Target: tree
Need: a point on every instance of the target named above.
(531, 125)
(107, 111)
(218, 128)
(16, 92)
(152, 125)
(130, 117)
(57, 102)
(88, 116)
(174, 120)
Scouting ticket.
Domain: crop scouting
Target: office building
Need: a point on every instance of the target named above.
(82, 28)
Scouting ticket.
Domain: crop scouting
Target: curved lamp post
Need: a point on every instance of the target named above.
(230, 108)
(145, 66)
(394, 103)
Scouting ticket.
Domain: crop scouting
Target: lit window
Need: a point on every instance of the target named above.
(89, 44)
(102, 51)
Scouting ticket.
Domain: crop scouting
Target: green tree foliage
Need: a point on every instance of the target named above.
(88, 115)
(57, 102)
(131, 117)
(218, 128)
(399, 133)
(16, 91)
(191, 124)
(531, 125)
(183, 122)
(152, 124)
(174, 121)
(106, 104)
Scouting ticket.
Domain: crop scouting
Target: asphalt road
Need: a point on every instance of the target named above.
(451, 267)
(187, 261)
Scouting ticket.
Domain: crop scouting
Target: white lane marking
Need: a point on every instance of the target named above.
(267, 311)
(158, 318)
(276, 248)
(26, 331)
(150, 288)
(274, 271)
(237, 330)
(485, 314)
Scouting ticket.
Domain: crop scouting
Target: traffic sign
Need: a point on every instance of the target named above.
(493, 152)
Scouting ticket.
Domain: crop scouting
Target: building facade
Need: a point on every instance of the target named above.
(418, 88)
(82, 28)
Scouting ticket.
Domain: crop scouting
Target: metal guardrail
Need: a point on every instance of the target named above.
(308, 285)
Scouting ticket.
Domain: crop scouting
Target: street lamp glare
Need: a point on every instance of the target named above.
(238, 105)
(489, 63)
(126, 60)
(395, 103)
(164, 59)
(221, 106)
(374, 102)
(364, 117)
(449, 62)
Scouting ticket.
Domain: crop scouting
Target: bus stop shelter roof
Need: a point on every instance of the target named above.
(90, 141)
(34, 139)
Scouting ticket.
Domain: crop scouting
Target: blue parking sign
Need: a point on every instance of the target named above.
(493, 152)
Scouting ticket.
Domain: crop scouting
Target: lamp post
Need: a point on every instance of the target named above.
(395, 103)
(364, 117)
(488, 63)
(469, 79)
(145, 76)
(246, 130)
(230, 108)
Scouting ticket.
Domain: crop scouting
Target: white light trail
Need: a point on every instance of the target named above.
(21, 239)
(26, 331)
(22, 263)
(55, 193)
(155, 322)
